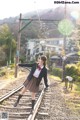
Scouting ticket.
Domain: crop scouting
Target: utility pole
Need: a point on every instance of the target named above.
(64, 48)
(65, 16)
(64, 57)
(19, 37)
(18, 46)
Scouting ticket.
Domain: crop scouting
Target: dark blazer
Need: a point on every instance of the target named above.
(43, 73)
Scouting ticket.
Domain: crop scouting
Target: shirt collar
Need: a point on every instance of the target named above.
(42, 67)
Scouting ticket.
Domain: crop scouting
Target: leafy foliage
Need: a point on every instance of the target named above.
(7, 44)
(57, 72)
(73, 70)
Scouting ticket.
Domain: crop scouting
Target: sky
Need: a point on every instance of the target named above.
(12, 8)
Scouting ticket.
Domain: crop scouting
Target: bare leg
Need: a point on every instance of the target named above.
(33, 95)
(23, 90)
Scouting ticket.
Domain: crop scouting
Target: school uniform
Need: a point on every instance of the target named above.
(35, 76)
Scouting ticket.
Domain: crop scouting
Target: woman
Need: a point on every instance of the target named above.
(38, 71)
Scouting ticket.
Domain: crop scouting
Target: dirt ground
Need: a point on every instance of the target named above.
(62, 105)
(60, 109)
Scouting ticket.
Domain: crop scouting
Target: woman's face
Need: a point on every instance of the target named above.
(40, 61)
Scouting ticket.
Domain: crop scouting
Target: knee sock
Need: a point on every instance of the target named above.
(33, 103)
(19, 97)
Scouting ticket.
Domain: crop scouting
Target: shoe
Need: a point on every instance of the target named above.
(16, 103)
(31, 112)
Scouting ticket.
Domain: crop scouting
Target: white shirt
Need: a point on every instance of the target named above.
(69, 78)
(37, 72)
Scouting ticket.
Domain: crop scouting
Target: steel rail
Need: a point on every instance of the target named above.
(36, 107)
(7, 95)
(32, 116)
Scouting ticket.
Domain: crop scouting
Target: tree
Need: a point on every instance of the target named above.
(7, 42)
(76, 35)
(2, 56)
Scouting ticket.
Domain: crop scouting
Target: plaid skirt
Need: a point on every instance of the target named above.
(31, 85)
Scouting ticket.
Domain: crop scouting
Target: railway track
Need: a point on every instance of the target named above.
(43, 112)
(22, 111)
(42, 108)
(6, 87)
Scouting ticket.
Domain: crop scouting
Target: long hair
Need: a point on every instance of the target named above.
(44, 59)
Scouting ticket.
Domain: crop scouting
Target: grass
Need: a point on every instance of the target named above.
(72, 98)
(55, 77)
(77, 88)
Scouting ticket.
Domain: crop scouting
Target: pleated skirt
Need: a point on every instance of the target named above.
(31, 85)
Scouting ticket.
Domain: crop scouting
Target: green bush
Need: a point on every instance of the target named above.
(22, 59)
(78, 79)
(57, 72)
(78, 65)
(73, 70)
(12, 65)
(32, 61)
(2, 72)
(74, 77)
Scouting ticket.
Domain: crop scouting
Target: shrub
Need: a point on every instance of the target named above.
(71, 70)
(12, 65)
(78, 79)
(74, 77)
(2, 72)
(22, 59)
(57, 72)
(78, 65)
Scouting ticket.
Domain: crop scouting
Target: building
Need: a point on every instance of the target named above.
(35, 47)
